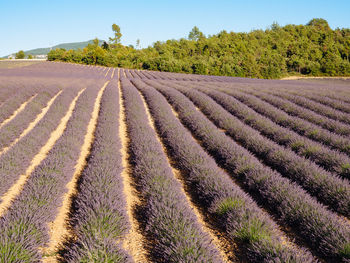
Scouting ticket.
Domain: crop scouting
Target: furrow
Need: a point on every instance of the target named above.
(225, 248)
(331, 160)
(58, 228)
(301, 126)
(16, 188)
(15, 161)
(231, 211)
(133, 241)
(290, 202)
(12, 130)
(14, 102)
(236, 126)
(98, 218)
(25, 226)
(14, 114)
(303, 113)
(107, 72)
(168, 223)
(32, 124)
(112, 73)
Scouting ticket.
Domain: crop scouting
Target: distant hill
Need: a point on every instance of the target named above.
(67, 46)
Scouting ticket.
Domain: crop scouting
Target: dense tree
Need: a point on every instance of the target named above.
(105, 45)
(319, 22)
(312, 49)
(20, 54)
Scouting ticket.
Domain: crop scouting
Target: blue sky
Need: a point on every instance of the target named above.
(26, 24)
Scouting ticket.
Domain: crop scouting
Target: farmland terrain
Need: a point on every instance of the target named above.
(102, 164)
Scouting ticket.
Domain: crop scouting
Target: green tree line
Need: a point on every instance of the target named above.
(312, 49)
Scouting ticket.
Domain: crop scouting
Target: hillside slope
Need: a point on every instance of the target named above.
(67, 46)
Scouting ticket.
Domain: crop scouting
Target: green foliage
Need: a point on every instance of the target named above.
(30, 56)
(229, 204)
(20, 54)
(105, 45)
(313, 49)
(346, 251)
(253, 231)
(117, 34)
(195, 34)
(319, 22)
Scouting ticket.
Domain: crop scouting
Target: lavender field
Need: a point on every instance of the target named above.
(105, 164)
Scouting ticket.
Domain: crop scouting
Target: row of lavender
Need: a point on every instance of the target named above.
(14, 162)
(339, 157)
(323, 231)
(24, 226)
(299, 125)
(12, 129)
(332, 100)
(98, 214)
(10, 103)
(329, 189)
(293, 109)
(58, 101)
(327, 112)
(329, 159)
(172, 230)
(56, 70)
(228, 208)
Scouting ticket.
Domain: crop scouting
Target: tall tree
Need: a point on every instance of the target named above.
(117, 34)
(195, 34)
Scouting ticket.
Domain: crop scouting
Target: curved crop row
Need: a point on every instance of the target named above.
(13, 163)
(24, 228)
(317, 107)
(324, 231)
(171, 226)
(329, 189)
(325, 98)
(335, 104)
(59, 230)
(303, 113)
(331, 160)
(342, 97)
(17, 111)
(127, 73)
(99, 219)
(145, 75)
(231, 210)
(13, 129)
(9, 106)
(7, 89)
(296, 124)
